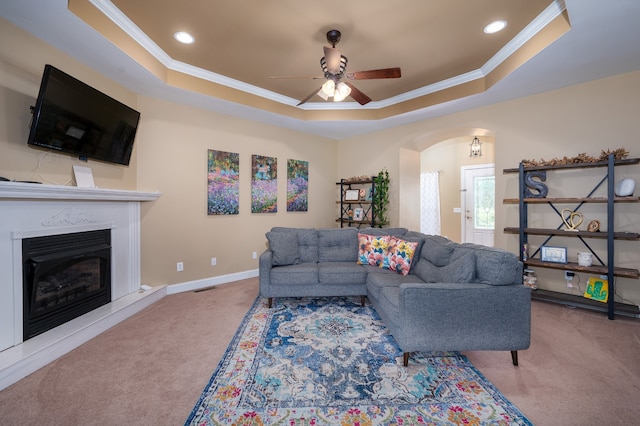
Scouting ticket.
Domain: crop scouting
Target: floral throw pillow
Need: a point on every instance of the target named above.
(399, 255)
(372, 249)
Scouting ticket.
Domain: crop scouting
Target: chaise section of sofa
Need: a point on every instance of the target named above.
(459, 297)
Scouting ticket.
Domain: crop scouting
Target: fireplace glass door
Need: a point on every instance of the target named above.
(64, 277)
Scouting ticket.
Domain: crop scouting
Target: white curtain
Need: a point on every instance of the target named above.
(430, 203)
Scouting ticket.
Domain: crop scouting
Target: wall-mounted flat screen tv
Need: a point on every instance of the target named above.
(74, 118)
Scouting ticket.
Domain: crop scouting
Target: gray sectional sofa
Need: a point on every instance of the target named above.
(449, 297)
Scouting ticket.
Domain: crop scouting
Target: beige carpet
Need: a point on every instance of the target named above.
(581, 369)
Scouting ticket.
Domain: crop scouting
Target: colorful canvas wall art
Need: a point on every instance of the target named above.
(297, 185)
(223, 182)
(264, 184)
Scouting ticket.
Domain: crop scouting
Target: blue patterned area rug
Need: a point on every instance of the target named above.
(330, 361)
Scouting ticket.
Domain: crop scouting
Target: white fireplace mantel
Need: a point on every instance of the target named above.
(19, 190)
(29, 210)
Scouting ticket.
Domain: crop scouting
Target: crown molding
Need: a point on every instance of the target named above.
(121, 20)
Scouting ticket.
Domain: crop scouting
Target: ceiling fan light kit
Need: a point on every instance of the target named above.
(328, 88)
(334, 66)
(341, 92)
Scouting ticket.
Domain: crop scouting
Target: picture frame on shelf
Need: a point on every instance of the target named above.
(369, 196)
(553, 254)
(351, 195)
(358, 214)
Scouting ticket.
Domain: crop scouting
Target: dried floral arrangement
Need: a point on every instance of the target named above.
(357, 179)
(619, 154)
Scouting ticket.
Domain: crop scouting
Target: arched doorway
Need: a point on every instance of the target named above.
(448, 158)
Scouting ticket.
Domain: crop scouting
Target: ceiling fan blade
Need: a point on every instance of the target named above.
(315, 92)
(372, 74)
(356, 94)
(332, 56)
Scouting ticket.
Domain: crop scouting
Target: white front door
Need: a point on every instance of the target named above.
(478, 204)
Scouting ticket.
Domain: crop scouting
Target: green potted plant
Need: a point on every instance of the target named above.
(381, 199)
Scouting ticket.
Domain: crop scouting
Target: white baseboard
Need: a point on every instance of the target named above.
(21, 360)
(211, 282)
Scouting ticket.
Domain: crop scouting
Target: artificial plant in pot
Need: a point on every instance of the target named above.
(381, 199)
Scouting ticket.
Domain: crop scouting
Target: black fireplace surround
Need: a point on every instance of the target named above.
(64, 276)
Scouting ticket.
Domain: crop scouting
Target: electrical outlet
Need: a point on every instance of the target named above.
(214, 261)
(180, 267)
(255, 255)
(568, 275)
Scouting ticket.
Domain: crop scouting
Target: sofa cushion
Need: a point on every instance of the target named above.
(284, 246)
(338, 245)
(380, 278)
(341, 273)
(437, 249)
(397, 232)
(400, 254)
(307, 242)
(299, 274)
(308, 245)
(372, 249)
(460, 269)
(495, 266)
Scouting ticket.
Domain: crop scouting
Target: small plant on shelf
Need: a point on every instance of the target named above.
(381, 199)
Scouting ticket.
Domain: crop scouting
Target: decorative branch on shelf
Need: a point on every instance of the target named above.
(362, 178)
(619, 154)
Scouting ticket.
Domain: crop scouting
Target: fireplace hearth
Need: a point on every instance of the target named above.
(64, 276)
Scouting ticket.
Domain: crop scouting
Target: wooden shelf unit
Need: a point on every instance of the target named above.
(605, 268)
(633, 236)
(366, 203)
(581, 302)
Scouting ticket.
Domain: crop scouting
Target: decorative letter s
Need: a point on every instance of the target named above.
(540, 188)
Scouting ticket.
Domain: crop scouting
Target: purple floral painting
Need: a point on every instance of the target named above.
(264, 184)
(297, 186)
(223, 183)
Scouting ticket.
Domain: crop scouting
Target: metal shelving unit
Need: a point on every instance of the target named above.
(605, 267)
(364, 202)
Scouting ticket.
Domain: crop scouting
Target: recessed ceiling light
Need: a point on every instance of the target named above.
(495, 26)
(184, 37)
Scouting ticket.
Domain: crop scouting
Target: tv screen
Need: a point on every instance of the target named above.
(73, 117)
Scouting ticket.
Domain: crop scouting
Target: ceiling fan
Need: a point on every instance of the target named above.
(334, 66)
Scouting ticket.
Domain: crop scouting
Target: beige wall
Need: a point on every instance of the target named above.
(171, 147)
(172, 158)
(22, 60)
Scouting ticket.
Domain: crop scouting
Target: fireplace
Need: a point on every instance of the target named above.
(64, 277)
(29, 211)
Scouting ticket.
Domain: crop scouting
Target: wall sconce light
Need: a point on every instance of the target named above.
(476, 148)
